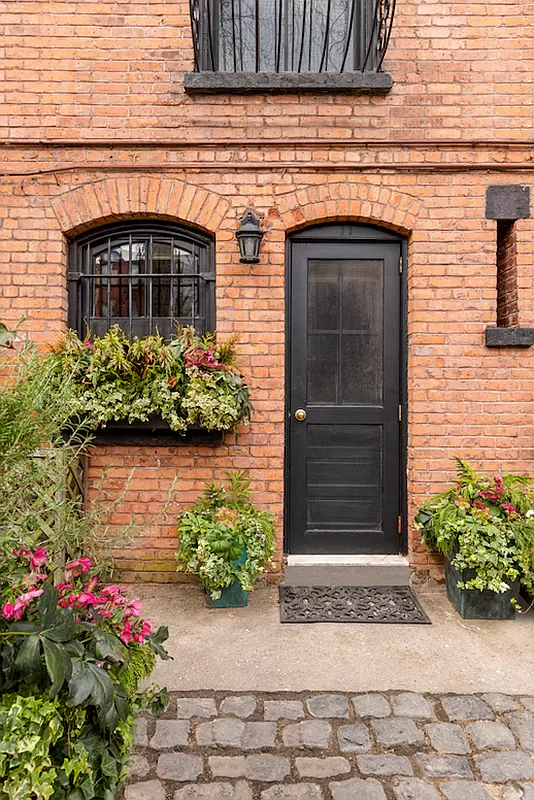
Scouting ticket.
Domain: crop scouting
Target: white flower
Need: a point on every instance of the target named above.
(530, 513)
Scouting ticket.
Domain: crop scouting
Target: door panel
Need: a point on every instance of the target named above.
(344, 343)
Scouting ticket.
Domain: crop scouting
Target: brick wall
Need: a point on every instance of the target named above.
(96, 127)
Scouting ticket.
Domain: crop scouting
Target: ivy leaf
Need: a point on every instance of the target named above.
(56, 666)
(110, 647)
(29, 656)
(23, 627)
(161, 635)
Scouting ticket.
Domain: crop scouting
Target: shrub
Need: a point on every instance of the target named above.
(72, 660)
(221, 528)
(485, 525)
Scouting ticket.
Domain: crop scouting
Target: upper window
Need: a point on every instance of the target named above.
(142, 277)
(290, 36)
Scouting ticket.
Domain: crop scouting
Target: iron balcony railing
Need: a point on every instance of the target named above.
(290, 35)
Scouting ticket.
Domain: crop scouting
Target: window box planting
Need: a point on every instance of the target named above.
(188, 384)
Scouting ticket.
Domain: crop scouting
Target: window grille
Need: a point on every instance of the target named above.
(143, 278)
(290, 35)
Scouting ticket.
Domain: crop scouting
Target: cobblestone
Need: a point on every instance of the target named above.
(384, 765)
(322, 767)
(170, 733)
(214, 791)
(148, 790)
(357, 789)
(189, 707)
(487, 735)
(283, 709)
(414, 789)
(446, 737)
(371, 705)
(500, 703)
(410, 704)
(335, 706)
(138, 765)
(301, 791)
(522, 724)
(354, 738)
(243, 706)
(528, 702)
(464, 790)
(397, 733)
(311, 733)
(179, 767)
(466, 707)
(335, 746)
(445, 766)
(502, 767)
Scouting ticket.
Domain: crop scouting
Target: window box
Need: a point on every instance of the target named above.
(155, 431)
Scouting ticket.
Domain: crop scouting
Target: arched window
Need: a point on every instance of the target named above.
(141, 276)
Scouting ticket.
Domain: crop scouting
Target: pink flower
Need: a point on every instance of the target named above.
(22, 602)
(76, 567)
(38, 558)
(22, 552)
(508, 508)
(8, 610)
(478, 504)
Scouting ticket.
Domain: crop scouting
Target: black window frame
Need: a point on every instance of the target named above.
(81, 281)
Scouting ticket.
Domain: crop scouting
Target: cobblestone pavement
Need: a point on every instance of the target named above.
(394, 746)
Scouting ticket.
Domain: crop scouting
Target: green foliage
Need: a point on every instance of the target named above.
(72, 661)
(485, 525)
(190, 381)
(224, 538)
(29, 728)
(40, 450)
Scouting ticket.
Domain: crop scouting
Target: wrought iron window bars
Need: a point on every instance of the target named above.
(291, 36)
(142, 278)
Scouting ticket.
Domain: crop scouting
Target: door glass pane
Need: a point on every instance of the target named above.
(345, 331)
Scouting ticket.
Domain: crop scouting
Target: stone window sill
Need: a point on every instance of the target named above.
(294, 82)
(509, 337)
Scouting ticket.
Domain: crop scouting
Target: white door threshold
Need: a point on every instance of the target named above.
(347, 561)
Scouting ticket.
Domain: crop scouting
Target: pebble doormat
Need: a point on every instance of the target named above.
(379, 604)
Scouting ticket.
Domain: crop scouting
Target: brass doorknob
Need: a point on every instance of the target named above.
(300, 415)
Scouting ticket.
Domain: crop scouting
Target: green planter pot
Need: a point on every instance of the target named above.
(476, 604)
(233, 596)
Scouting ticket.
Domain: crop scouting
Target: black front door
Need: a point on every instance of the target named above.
(344, 393)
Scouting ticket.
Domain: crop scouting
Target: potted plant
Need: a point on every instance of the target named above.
(485, 529)
(188, 383)
(226, 541)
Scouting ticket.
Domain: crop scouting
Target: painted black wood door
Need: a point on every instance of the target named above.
(344, 364)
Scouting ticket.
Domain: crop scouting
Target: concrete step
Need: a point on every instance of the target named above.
(372, 573)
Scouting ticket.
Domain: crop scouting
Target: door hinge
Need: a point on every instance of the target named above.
(400, 265)
(399, 524)
(400, 413)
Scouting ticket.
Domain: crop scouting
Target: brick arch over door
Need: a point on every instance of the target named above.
(354, 202)
(97, 203)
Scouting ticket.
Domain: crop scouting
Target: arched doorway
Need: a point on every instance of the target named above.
(344, 391)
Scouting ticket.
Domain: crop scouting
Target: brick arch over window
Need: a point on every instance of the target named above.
(99, 202)
(340, 202)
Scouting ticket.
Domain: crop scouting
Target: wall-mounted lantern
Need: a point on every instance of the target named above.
(249, 236)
